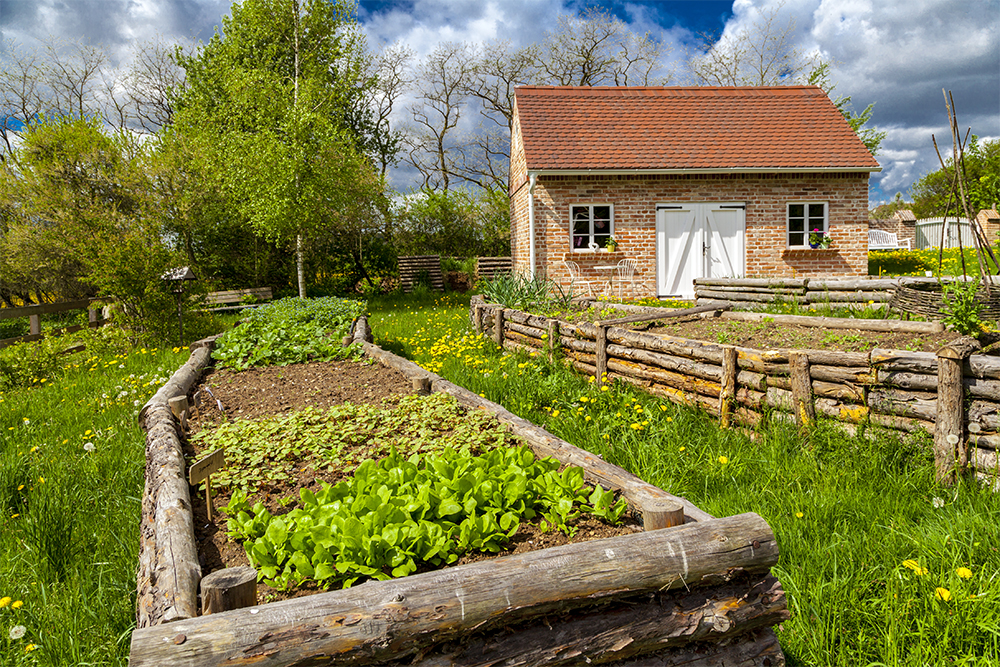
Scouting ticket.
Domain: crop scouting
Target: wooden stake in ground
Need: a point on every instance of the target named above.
(202, 469)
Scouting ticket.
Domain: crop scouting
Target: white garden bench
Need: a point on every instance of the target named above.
(879, 239)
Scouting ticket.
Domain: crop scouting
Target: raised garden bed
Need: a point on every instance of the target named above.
(952, 393)
(695, 593)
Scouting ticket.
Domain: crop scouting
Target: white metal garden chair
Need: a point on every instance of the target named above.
(576, 278)
(625, 273)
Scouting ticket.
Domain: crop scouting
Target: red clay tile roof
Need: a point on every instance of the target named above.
(783, 127)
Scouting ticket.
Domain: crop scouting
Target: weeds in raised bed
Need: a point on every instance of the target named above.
(881, 565)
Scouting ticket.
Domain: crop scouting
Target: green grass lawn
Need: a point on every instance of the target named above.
(880, 564)
(919, 262)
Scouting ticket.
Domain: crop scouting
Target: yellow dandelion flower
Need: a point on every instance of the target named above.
(16, 604)
(799, 515)
(723, 460)
(915, 566)
(555, 413)
(29, 648)
(4, 601)
(682, 449)
(942, 594)
(963, 572)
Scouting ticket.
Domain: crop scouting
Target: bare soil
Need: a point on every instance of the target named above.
(260, 392)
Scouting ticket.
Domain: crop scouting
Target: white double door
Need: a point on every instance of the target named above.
(698, 240)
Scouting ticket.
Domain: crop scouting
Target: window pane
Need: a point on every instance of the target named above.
(796, 211)
(816, 210)
(796, 238)
(580, 241)
(796, 225)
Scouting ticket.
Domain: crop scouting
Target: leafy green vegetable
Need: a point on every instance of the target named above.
(394, 515)
(290, 331)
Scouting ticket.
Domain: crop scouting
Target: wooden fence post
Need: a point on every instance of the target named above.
(478, 315)
(553, 334)
(601, 358)
(34, 324)
(728, 393)
(498, 326)
(951, 452)
(802, 394)
(92, 317)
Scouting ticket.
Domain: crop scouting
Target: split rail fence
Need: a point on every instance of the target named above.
(759, 292)
(953, 394)
(34, 313)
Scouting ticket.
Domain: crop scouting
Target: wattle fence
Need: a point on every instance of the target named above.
(952, 394)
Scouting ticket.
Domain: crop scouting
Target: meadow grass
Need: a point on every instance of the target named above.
(881, 565)
(71, 477)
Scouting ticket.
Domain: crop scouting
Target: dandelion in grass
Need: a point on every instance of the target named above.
(17, 631)
(16, 604)
(4, 601)
(799, 515)
(723, 460)
(911, 564)
(942, 594)
(682, 449)
(88, 447)
(29, 648)
(963, 572)
(938, 503)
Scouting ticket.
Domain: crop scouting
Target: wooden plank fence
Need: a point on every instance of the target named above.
(899, 390)
(488, 267)
(34, 313)
(415, 267)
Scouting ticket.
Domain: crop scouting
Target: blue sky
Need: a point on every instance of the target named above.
(898, 54)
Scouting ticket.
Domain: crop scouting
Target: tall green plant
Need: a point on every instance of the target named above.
(963, 306)
(513, 290)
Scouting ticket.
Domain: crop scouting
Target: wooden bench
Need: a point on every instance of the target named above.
(233, 299)
(879, 239)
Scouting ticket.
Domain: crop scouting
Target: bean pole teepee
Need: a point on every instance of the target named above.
(958, 199)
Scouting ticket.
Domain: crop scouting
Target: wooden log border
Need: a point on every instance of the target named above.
(697, 590)
(897, 390)
(169, 571)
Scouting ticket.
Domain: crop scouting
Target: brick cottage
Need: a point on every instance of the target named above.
(691, 182)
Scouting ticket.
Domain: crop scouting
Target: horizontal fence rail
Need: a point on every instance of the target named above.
(895, 389)
(34, 313)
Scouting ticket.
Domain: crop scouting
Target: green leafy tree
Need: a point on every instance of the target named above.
(931, 193)
(276, 105)
(77, 204)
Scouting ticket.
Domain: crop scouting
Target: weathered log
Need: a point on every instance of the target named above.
(757, 648)
(587, 346)
(753, 297)
(178, 406)
(985, 415)
(753, 282)
(850, 413)
(950, 454)
(668, 362)
(675, 380)
(404, 366)
(737, 289)
(169, 571)
(680, 347)
(227, 589)
(960, 348)
(919, 405)
(534, 321)
(985, 460)
(727, 393)
(846, 391)
(523, 341)
(552, 331)
(659, 513)
(665, 625)
(665, 314)
(854, 375)
(805, 411)
(544, 443)
(904, 361)
(898, 423)
(525, 330)
(982, 366)
(389, 620)
(421, 385)
(681, 397)
(857, 298)
(498, 317)
(903, 380)
(838, 322)
(477, 318)
(601, 356)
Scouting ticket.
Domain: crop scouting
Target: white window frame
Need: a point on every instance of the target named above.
(806, 218)
(590, 237)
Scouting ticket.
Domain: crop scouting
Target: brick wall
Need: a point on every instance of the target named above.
(635, 198)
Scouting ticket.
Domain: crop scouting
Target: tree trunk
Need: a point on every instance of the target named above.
(300, 266)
